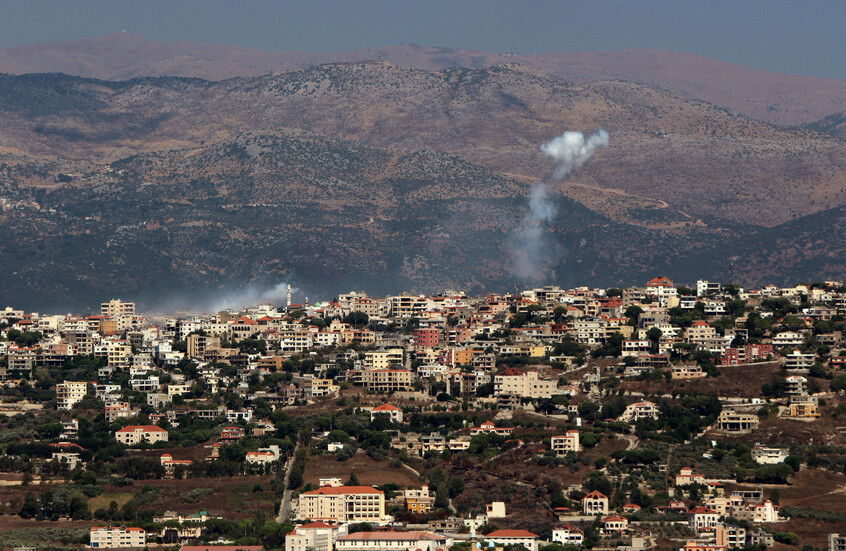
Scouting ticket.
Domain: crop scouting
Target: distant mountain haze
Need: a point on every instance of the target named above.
(166, 173)
(764, 95)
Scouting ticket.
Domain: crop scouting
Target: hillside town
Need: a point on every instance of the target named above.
(658, 416)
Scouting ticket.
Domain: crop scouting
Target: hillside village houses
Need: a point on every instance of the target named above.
(546, 354)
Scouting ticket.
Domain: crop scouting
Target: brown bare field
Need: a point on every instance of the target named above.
(814, 489)
(368, 471)
(194, 453)
(736, 380)
(14, 522)
(233, 498)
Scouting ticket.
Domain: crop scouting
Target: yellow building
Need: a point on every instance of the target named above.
(342, 504)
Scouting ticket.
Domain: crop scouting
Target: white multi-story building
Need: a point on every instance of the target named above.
(568, 535)
(110, 537)
(116, 307)
(789, 338)
(383, 359)
(595, 503)
(70, 393)
(529, 385)
(342, 504)
(639, 410)
(701, 519)
(135, 434)
(566, 443)
(314, 536)
(392, 541)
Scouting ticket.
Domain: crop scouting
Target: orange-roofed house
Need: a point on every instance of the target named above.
(393, 413)
(595, 503)
(232, 434)
(135, 434)
(314, 536)
(488, 427)
(342, 504)
(700, 333)
(702, 519)
(513, 537)
(660, 287)
(687, 477)
(221, 548)
(615, 523)
(243, 328)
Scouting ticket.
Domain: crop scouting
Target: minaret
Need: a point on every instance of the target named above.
(289, 295)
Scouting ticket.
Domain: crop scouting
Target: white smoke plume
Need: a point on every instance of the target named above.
(251, 295)
(530, 250)
(571, 151)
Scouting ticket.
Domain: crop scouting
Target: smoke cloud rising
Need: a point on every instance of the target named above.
(530, 249)
(223, 299)
(571, 151)
(251, 295)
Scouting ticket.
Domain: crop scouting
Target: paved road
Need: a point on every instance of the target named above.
(285, 508)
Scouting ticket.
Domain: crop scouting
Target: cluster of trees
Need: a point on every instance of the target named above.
(63, 501)
(681, 419)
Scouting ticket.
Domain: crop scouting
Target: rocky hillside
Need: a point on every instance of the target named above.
(697, 157)
(386, 178)
(764, 95)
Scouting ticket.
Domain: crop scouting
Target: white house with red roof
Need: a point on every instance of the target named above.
(660, 287)
(595, 503)
(513, 537)
(488, 427)
(687, 477)
(615, 523)
(135, 434)
(263, 456)
(702, 519)
(343, 504)
(243, 328)
(170, 464)
(568, 535)
(700, 333)
(386, 410)
(314, 536)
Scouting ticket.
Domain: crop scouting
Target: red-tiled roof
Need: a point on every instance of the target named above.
(386, 407)
(511, 372)
(147, 428)
(340, 490)
(391, 535)
(316, 525)
(701, 511)
(221, 548)
(511, 534)
(245, 321)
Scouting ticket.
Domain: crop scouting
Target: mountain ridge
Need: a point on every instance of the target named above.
(758, 93)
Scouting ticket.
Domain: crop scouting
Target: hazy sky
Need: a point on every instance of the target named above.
(800, 37)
